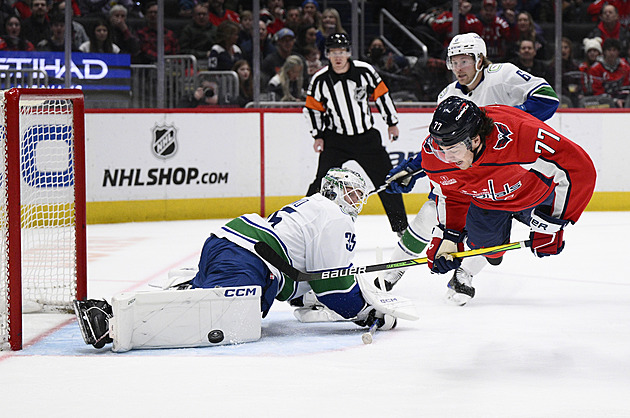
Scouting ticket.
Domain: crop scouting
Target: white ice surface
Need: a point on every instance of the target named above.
(542, 338)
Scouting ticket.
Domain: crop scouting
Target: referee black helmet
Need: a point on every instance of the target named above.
(337, 40)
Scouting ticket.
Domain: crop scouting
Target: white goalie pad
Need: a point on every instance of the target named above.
(185, 318)
(175, 278)
(318, 313)
(386, 302)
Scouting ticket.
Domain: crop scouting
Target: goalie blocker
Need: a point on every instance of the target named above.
(173, 318)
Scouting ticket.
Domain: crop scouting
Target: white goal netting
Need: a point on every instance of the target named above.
(47, 201)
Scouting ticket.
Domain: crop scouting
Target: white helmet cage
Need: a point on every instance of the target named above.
(340, 185)
(467, 43)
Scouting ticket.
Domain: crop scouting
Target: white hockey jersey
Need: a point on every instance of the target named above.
(312, 234)
(508, 85)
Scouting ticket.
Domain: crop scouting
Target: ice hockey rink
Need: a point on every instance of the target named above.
(542, 338)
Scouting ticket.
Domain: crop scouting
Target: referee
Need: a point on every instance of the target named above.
(342, 124)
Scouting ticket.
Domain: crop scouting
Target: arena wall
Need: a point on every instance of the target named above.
(185, 164)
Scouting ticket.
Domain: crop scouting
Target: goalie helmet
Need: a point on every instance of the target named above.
(469, 44)
(455, 120)
(346, 188)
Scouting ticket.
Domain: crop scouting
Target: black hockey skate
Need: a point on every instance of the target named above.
(460, 290)
(93, 317)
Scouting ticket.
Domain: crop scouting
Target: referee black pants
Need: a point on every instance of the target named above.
(367, 150)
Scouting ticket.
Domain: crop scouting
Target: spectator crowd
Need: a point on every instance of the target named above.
(292, 34)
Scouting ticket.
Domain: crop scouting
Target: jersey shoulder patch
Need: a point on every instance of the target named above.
(504, 137)
(442, 94)
(493, 68)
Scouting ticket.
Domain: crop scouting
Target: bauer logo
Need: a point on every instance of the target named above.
(343, 272)
(164, 144)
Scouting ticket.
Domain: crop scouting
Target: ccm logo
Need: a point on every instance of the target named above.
(243, 291)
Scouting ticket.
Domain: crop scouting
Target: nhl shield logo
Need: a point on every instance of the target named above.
(360, 93)
(164, 141)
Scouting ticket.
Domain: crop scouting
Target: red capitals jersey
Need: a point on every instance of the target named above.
(523, 162)
(496, 34)
(227, 15)
(623, 8)
(607, 81)
(443, 24)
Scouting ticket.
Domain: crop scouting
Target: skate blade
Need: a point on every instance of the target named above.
(456, 299)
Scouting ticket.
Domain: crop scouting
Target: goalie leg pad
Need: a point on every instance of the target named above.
(185, 318)
(310, 309)
(318, 313)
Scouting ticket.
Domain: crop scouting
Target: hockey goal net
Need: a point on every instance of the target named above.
(42, 205)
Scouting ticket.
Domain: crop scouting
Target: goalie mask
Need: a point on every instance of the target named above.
(346, 188)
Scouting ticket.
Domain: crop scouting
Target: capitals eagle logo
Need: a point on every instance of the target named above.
(504, 135)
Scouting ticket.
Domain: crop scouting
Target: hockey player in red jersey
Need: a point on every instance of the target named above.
(489, 165)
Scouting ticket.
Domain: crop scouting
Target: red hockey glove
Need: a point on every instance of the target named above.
(444, 241)
(546, 234)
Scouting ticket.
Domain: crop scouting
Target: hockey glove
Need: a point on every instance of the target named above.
(521, 107)
(368, 315)
(444, 241)
(400, 179)
(546, 234)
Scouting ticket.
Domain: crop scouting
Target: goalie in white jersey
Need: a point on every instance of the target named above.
(483, 83)
(313, 234)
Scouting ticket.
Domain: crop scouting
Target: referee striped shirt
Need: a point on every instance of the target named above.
(340, 102)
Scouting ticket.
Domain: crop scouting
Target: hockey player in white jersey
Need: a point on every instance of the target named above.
(483, 83)
(314, 234)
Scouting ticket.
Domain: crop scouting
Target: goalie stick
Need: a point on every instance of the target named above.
(268, 254)
(368, 336)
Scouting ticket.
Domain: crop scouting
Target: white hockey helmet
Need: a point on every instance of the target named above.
(466, 43)
(346, 188)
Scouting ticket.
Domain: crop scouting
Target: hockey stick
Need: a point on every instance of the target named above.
(368, 336)
(404, 177)
(268, 254)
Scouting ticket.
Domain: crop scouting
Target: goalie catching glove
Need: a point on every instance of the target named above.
(444, 242)
(546, 234)
(402, 178)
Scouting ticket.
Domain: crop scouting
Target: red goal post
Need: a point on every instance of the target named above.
(42, 205)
